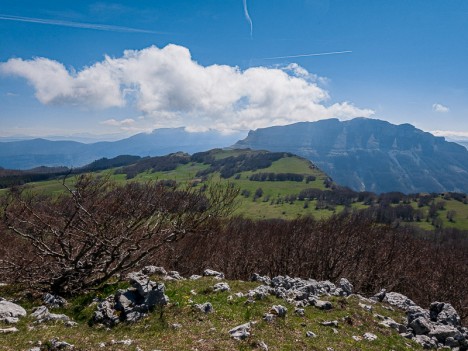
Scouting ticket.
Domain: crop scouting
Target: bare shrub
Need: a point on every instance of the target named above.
(98, 229)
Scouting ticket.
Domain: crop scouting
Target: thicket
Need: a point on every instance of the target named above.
(232, 165)
(426, 266)
(278, 177)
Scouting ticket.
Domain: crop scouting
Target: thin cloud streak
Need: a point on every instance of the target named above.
(103, 27)
(308, 55)
(247, 17)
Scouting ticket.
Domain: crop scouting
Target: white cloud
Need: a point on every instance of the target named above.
(123, 123)
(451, 134)
(440, 108)
(172, 89)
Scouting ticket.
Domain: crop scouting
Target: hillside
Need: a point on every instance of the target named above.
(371, 155)
(212, 313)
(272, 185)
(27, 154)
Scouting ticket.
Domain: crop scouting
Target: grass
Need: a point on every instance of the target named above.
(266, 206)
(205, 332)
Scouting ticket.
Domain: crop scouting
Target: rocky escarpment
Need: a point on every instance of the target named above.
(371, 155)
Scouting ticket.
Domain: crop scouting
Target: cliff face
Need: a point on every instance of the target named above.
(372, 155)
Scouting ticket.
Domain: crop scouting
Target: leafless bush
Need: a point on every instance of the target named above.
(98, 229)
(373, 256)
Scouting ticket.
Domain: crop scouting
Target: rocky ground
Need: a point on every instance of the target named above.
(157, 310)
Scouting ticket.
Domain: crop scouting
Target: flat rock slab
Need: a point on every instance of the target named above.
(10, 311)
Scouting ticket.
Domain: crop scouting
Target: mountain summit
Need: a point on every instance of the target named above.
(371, 155)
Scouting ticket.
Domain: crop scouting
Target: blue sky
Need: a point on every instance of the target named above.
(196, 64)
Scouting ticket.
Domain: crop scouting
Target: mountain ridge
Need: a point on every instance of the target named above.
(370, 154)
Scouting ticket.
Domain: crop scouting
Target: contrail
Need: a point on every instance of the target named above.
(103, 27)
(247, 17)
(308, 55)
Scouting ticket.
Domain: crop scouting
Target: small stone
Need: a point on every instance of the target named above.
(310, 334)
(330, 323)
(126, 342)
(370, 336)
(299, 311)
(212, 273)
(9, 330)
(357, 338)
(174, 275)
(241, 332)
(262, 346)
(195, 277)
(176, 326)
(279, 310)
(221, 287)
(268, 317)
(206, 307)
(322, 305)
(365, 307)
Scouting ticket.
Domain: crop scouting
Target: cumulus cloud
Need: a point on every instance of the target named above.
(440, 108)
(170, 87)
(451, 134)
(113, 122)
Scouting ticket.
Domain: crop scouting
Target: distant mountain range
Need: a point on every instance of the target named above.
(372, 155)
(26, 154)
(363, 154)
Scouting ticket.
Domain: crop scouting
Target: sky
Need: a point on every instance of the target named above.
(118, 68)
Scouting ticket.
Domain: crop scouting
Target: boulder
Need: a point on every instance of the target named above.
(260, 292)
(399, 300)
(9, 330)
(279, 310)
(206, 307)
(441, 332)
(322, 305)
(154, 270)
(420, 326)
(221, 287)
(426, 342)
(42, 314)
(370, 336)
(346, 286)
(269, 317)
(152, 293)
(390, 323)
(299, 312)
(241, 332)
(330, 323)
(379, 296)
(444, 313)
(54, 301)
(259, 278)
(212, 273)
(174, 275)
(11, 312)
(106, 314)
